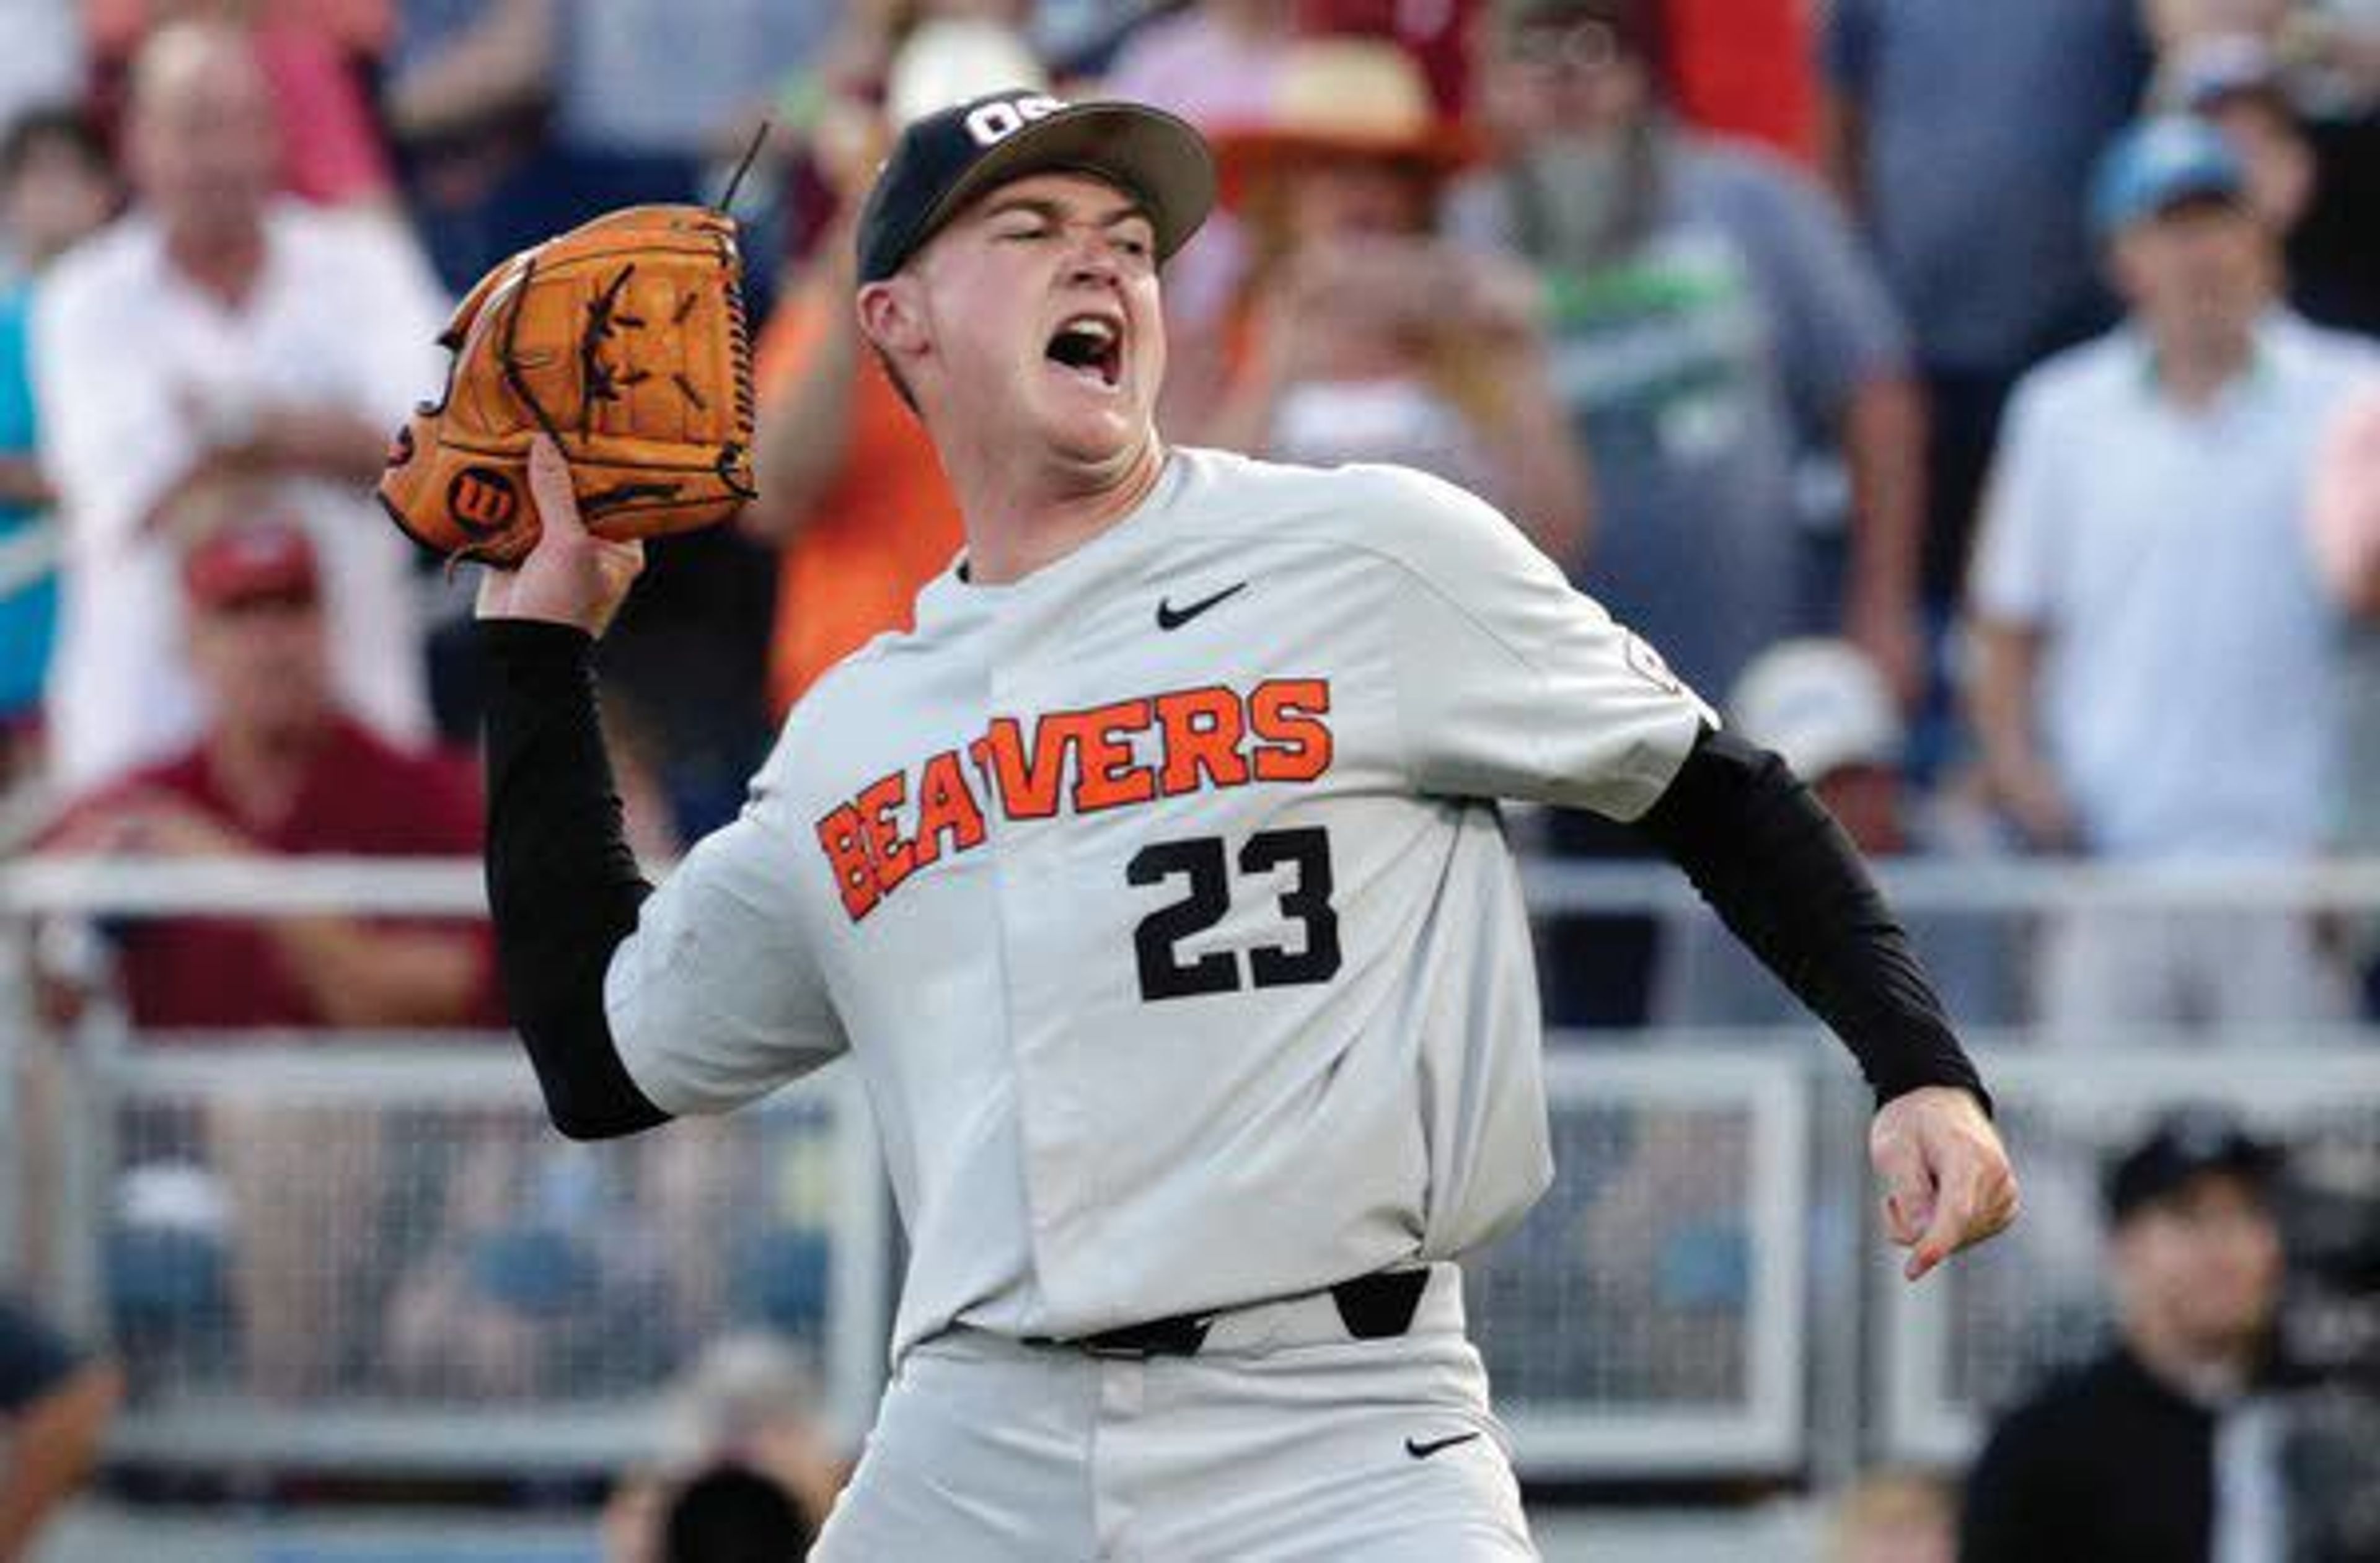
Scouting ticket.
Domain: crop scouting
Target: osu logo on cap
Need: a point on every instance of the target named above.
(994, 122)
(482, 499)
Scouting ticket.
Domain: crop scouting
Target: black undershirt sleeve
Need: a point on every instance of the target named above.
(563, 887)
(1782, 876)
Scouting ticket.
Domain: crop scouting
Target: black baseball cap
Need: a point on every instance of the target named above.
(2182, 1148)
(946, 160)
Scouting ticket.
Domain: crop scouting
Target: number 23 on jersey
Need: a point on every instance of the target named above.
(1204, 863)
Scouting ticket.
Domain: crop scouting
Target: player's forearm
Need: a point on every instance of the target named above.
(1783, 876)
(562, 888)
(50, 1450)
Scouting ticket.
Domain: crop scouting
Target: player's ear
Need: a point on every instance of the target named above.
(891, 318)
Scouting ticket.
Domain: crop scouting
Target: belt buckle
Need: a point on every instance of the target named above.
(1180, 1335)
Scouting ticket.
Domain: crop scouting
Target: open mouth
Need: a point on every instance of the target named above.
(1091, 346)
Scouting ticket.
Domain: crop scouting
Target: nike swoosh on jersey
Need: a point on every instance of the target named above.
(1168, 617)
(1423, 1451)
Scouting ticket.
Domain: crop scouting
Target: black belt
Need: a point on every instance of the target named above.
(1373, 1307)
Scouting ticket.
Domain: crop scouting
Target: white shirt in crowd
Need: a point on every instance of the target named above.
(2187, 687)
(129, 359)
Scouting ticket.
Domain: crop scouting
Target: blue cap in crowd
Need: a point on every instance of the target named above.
(2156, 165)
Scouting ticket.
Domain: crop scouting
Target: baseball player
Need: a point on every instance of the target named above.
(1155, 885)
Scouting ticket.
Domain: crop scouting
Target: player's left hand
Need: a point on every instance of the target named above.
(1947, 1179)
(571, 576)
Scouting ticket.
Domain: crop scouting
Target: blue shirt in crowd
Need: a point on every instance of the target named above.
(1983, 122)
(1694, 365)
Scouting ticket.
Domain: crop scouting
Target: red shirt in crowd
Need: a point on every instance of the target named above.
(1745, 68)
(363, 798)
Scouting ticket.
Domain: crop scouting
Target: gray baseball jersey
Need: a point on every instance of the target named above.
(1161, 899)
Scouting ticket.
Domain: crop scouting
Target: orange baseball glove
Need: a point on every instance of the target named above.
(623, 339)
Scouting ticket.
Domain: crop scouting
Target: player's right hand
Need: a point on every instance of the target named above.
(1947, 1184)
(571, 576)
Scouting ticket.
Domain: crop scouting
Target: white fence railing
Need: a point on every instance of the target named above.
(1649, 1315)
(372, 1252)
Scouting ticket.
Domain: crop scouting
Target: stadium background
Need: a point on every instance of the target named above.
(464, 1329)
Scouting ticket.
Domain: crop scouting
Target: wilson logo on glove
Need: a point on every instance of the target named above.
(623, 339)
(485, 500)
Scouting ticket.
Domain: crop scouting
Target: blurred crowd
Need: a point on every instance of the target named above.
(2000, 453)
(1973, 401)
(1976, 400)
